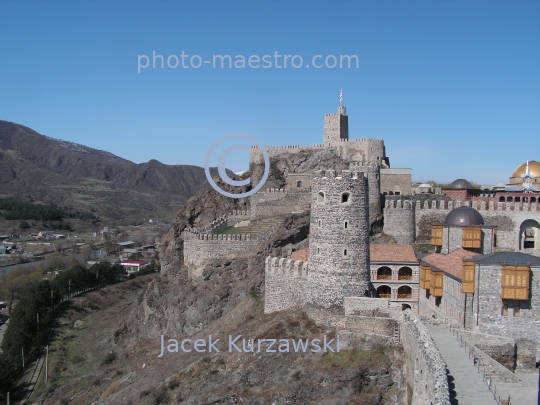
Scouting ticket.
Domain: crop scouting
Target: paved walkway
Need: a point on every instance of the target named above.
(524, 392)
(467, 386)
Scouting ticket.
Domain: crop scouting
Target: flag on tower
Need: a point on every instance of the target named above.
(340, 96)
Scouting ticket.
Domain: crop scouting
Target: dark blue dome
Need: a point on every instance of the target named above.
(464, 216)
(461, 184)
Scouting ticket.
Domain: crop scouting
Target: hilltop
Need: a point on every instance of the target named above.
(34, 167)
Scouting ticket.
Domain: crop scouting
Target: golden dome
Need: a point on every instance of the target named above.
(534, 168)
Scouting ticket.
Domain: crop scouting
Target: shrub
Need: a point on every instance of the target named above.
(109, 358)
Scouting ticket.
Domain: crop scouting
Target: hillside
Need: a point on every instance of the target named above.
(40, 168)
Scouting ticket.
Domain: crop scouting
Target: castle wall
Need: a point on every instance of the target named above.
(363, 150)
(278, 202)
(396, 181)
(293, 180)
(256, 157)
(201, 247)
(339, 237)
(425, 368)
(507, 217)
(283, 283)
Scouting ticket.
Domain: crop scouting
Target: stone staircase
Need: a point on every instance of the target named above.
(256, 227)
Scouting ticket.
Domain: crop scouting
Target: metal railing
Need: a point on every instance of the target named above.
(486, 375)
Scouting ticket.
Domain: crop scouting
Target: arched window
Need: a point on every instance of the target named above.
(384, 292)
(346, 224)
(405, 273)
(404, 292)
(384, 273)
(320, 198)
(319, 222)
(345, 198)
(344, 252)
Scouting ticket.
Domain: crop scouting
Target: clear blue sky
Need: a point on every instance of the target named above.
(453, 87)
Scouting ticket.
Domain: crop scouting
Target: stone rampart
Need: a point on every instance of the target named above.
(256, 157)
(507, 217)
(201, 247)
(284, 283)
(426, 370)
(382, 327)
(274, 202)
(365, 150)
(370, 307)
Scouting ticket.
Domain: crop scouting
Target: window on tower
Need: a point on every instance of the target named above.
(345, 198)
(320, 197)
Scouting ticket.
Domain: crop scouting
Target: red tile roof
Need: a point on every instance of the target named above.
(133, 262)
(301, 254)
(450, 263)
(392, 253)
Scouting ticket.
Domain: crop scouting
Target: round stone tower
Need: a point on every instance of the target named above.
(373, 173)
(339, 237)
(399, 219)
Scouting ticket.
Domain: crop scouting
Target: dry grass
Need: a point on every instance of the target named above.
(114, 387)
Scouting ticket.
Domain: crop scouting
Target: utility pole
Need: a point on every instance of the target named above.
(46, 361)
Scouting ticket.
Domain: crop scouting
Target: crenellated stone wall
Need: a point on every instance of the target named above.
(507, 217)
(284, 283)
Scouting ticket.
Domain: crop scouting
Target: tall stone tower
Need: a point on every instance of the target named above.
(336, 126)
(339, 237)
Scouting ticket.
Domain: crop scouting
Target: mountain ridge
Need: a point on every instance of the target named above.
(65, 173)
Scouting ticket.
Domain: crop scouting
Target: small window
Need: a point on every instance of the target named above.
(517, 309)
(320, 197)
(438, 301)
(318, 250)
(509, 199)
(345, 198)
(517, 199)
(319, 222)
(504, 309)
(299, 184)
(346, 224)
(344, 252)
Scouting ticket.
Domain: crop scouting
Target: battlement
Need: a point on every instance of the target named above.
(212, 236)
(339, 175)
(280, 147)
(449, 205)
(283, 267)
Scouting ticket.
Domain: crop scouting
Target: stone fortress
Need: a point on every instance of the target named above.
(482, 278)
